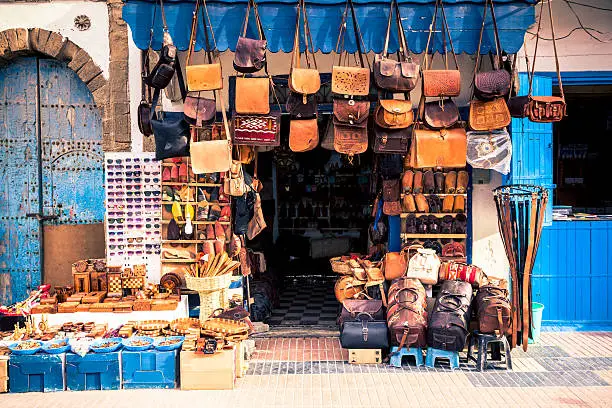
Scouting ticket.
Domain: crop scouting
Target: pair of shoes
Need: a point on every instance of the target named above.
(176, 173)
(456, 182)
(454, 204)
(179, 215)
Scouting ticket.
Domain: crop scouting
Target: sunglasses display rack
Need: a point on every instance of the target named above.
(196, 215)
(133, 211)
(444, 228)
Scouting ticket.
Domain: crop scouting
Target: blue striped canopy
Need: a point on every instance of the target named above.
(278, 18)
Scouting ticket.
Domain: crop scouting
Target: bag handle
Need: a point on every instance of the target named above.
(260, 30)
(201, 9)
(358, 37)
(498, 49)
(535, 51)
(402, 51)
(445, 31)
(145, 60)
(295, 57)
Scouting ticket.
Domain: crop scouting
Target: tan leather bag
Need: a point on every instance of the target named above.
(304, 81)
(212, 156)
(489, 115)
(234, 184)
(394, 114)
(396, 263)
(203, 77)
(438, 148)
(347, 80)
(303, 134)
(253, 95)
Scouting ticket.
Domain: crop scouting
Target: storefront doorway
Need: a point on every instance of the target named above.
(51, 175)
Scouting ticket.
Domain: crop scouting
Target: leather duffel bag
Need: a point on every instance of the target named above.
(364, 333)
(407, 313)
(493, 310)
(450, 318)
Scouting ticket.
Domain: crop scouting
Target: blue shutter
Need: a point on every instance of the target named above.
(532, 146)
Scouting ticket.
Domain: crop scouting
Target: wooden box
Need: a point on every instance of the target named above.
(93, 297)
(208, 372)
(84, 307)
(40, 309)
(365, 356)
(142, 304)
(81, 281)
(98, 281)
(163, 305)
(67, 307)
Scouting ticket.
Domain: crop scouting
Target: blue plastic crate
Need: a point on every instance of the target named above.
(36, 373)
(94, 371)
(149, 369)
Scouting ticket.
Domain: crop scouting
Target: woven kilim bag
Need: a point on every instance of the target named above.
(257, 130)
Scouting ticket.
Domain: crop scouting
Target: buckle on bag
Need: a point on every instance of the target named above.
(364, 330)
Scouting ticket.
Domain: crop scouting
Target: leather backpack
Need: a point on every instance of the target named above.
(401, 75)
(440, 82)
(496, 82)
(348, 80)
(303, 81)
(450, 318)
(407, 313)
(250, 54)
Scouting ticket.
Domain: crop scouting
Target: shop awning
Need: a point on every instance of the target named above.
(278, 18)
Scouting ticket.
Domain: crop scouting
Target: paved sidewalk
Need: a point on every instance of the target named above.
(566, 370)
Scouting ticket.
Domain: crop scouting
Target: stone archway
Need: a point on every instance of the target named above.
(16, 42)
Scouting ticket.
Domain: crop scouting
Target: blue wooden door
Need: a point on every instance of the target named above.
(51, 165)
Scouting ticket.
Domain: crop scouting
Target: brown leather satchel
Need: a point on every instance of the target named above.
(440, 114)
(304, 81)
(395, 76)
(493, 310)
(203, 77)
(250, 54)
(396, 263)
(438, 148)
(199, 111)
(546, 109)
(446, 82)
(489, 115)
(303, 134)
(253, 95)
(495, 83)
(350, 122)
(391, 141)
(347, 80)
(391, 197)
(394, 114)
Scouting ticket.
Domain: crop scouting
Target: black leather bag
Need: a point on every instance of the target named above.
(449, 320)
(164, 70)
(144, 118)
(389, 141)
(351, 308)
(300, 110)
(171, 132)
(364, 333)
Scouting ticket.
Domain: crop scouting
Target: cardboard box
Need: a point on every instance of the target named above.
(365, 356)
(208, 372)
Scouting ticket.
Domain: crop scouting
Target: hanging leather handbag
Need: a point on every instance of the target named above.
(394, 114)
(170, 130)
(495, 83)
(351, 308)
(252, 95)
(441, 114)
(250, 54)
(350, 121)
(395, 263)
(303, 81)
(298, 109)
(212, 156)
(144, 108)
(347, 80)
(424, 266)
(202, 77)
(199, 111)
(546, 109)
(445, 82)
(517, 106)
(489, 115)
(364, 333)
(164, 70)
(438, 148)
(233, 183)
(396, 76)
(391, 141)
(407, 313)
(303, 134)
(391, 197)
(257, 130)
(144, 118)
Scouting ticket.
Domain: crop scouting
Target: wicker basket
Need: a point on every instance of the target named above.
(340, 266)
(213, 292)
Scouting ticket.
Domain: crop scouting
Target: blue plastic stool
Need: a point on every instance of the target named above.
(433, 354)
(398, 355)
